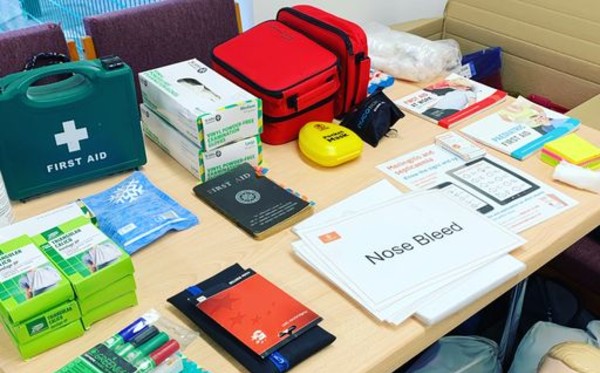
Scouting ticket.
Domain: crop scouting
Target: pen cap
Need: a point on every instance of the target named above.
(144, 336)
(138, 325)
(165, 351)
(153, 344)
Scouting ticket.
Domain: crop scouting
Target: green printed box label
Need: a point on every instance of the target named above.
(85, 250)
(219, 161)
(45, 323)
(37, 326)
(232, 123)
(26, 273)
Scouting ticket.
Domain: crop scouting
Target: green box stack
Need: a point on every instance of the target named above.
(100, 272)
(37, 306)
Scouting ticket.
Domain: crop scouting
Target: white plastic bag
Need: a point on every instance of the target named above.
(410, 57)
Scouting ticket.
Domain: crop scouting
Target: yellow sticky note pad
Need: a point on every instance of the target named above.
(573, 149)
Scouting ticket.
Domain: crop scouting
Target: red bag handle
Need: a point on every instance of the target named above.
(307, 100)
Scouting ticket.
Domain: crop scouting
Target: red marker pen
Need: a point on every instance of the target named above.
(148, 363)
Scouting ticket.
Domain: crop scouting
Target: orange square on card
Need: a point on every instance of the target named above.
(328, 237)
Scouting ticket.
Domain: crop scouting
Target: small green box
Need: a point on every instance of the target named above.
(110, 292)
(29, 283)
(46, 220)
(85, 255)
(110, 308)
(45, 323)
(48, 341)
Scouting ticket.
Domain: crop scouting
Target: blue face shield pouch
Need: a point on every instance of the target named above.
(134, 213)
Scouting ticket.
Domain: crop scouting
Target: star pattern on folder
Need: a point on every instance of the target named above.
(237, 319)
(226, 301)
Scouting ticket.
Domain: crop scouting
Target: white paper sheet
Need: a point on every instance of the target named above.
(531, 203)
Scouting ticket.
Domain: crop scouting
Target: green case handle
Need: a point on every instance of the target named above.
(74, 88)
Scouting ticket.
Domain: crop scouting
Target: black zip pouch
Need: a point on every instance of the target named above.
(373, 118)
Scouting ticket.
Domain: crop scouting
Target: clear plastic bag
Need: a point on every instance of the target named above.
(410, 57)
(151, 343)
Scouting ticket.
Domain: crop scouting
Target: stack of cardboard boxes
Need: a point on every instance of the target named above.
(100, 272)
(56, 281)
(201, 119)
(37, 304)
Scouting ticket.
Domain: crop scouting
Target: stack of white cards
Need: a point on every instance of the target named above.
(399, 255)
(460, 146)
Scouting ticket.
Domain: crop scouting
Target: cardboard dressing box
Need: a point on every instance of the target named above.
(29, 283)
(110, 308)
(42, 222)
(100, 272)
(86, 256)
(36, 306)
(45, 323)
(41, 309)
(204, 165)
(47, 341)
(201, 104)
(113, 291)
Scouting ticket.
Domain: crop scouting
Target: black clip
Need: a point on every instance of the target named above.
(292, 102)
(111, 62)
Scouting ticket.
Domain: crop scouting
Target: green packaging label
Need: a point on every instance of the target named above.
(99, 359)
(37, 326)
(231, 123)
(82, 251)
(26, 273)
(217, 162)
(42, 324)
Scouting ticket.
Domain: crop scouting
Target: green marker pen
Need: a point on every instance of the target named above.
(138, 340)
(147, 348)
(148, 363)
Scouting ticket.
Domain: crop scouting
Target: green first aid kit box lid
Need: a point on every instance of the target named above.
(67, 131)
(29, 283)
(85, 255)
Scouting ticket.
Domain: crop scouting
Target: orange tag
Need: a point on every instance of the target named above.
(328, 237)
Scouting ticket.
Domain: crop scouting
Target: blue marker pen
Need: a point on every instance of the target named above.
(131, 330)
(139, 339)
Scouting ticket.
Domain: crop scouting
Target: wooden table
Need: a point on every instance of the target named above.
(363, 344)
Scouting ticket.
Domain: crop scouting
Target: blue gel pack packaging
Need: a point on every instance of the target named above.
(134, 213)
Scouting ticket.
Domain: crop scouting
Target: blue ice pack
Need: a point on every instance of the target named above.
(134, 212)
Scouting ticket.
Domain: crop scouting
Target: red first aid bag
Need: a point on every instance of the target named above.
(345, 39)
(295, 77)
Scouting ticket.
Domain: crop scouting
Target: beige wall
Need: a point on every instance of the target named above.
(361, 11)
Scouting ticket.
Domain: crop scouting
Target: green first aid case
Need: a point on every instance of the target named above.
(69, 131)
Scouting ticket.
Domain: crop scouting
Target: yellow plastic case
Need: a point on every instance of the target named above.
(329, 144)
